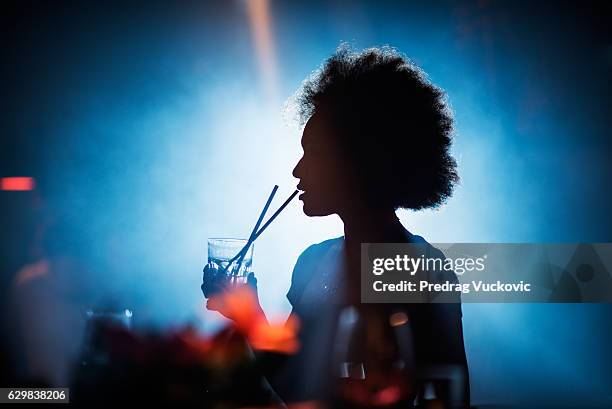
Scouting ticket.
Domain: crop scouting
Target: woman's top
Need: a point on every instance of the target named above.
(340, 338)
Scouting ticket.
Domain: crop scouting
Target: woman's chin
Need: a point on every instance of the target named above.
(313, 211)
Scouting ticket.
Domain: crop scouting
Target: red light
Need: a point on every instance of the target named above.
(17, 183)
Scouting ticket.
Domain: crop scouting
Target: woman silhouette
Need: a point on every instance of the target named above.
(376, 138)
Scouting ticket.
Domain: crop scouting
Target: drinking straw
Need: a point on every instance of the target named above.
(280, 209)
(244, 249)
(255, 228)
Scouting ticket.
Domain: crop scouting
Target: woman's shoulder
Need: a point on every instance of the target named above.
(431, 250)
(306, 264)
(318, 249)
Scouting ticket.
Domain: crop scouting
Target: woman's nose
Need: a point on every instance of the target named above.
(297, 170)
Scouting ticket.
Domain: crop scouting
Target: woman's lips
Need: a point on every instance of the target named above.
(303, 192)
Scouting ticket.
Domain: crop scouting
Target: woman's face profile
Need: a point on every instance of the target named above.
(323, 170)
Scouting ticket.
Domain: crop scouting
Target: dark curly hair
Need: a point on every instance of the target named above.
(392, 121)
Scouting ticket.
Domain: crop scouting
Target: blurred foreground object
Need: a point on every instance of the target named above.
(180, 367)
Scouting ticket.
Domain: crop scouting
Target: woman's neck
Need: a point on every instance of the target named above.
(371, 226)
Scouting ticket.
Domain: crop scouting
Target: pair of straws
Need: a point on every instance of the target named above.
(257, 231)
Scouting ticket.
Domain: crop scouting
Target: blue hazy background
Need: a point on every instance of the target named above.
(151, 127)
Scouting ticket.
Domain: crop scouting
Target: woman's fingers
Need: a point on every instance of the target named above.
(252, 281)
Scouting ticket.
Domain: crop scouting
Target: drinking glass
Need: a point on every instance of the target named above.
(222, 250)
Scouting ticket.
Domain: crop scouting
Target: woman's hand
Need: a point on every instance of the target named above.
(212, 281)
(237, 302)
(240, 303)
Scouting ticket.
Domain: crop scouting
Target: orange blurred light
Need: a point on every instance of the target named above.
(397, 319)
(31, 272)
(20, 183)
(260, 21)
(241, 305)
(388, 396)
(276, 337)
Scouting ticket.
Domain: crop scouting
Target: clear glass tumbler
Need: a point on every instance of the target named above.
(222, 250)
